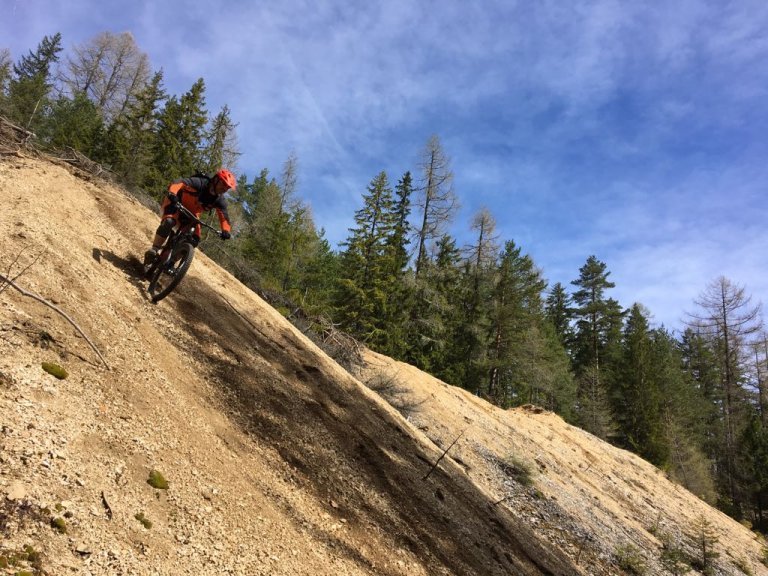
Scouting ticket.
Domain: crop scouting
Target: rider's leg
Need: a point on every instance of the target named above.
(161, 235)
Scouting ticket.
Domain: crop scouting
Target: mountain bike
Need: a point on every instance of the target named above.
(175, 257)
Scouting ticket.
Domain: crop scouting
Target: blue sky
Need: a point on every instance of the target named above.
(634, 131)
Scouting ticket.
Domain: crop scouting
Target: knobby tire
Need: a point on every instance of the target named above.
(181, 259)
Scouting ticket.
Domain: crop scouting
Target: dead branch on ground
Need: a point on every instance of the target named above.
(434, 466)
(12, 137)
(15, 260)
(341, 346)
(80, 160)
(28, 294)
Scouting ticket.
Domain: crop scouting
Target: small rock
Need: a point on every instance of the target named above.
(16, 491)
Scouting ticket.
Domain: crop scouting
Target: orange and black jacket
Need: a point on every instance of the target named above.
(194, 194)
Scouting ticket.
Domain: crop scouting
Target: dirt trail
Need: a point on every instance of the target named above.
(278, 461)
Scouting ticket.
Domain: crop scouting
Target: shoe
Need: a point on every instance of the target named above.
(149, 257)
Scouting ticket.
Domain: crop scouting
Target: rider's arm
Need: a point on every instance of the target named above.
(175, 187)
(221, 211)
(193, 185)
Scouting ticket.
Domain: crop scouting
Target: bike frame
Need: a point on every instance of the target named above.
(184, 231)
(178, 249)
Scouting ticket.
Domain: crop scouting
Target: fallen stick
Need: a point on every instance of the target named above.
(443, 455)
(57, 309)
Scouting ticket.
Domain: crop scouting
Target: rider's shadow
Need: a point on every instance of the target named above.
(131, 266)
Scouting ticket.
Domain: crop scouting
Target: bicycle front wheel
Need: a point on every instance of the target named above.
(168, 275)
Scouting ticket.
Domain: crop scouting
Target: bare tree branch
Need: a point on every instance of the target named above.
(436, 198)
(110, 69)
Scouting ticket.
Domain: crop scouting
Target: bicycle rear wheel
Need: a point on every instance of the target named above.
(167, 276)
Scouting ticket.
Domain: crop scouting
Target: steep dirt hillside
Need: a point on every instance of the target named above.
(277, 461)
(603, 506)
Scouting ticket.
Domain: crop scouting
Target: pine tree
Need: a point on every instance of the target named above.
(591, 312)
(700, 368)
(754, 448)
(515, 320)
(366, 265)
(180, 134)
(727, 320)
(596, 324)
(247, 195)
(593, 409)
(318, 277)
(760, 350)
(302, 246)
(527, 362)
(220, 149)
(687, 415)
(474, 332)
(76, 123)
(267, 237)
(559, 311)
(131, 139)
(554, 387)
(434, 314)
(400, 298)
(398, 241)
(30, 87)
(637, 396)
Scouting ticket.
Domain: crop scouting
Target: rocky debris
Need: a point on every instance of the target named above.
(603, 507)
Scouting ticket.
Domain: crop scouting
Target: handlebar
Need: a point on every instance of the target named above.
(195, 219)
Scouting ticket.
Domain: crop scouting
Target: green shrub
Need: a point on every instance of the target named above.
(517, 469)
(675, 560)
(743, 565)
(629, 559)
(59, 525)
(704, 538)
(157, 480)
(144, 520)
(54, 370)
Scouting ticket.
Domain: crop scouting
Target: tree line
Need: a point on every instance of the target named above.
(480, 316)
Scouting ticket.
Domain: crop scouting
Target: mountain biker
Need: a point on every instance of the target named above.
(199, 193)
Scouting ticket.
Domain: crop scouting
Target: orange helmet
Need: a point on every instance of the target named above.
(227, 177)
